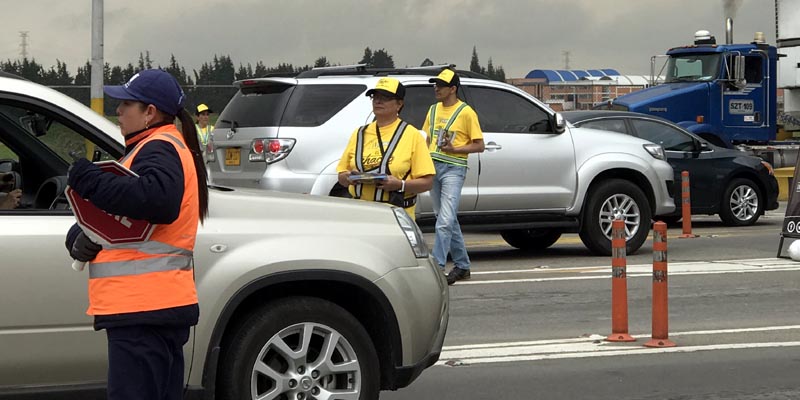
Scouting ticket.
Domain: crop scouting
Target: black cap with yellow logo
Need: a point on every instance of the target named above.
(390, 87)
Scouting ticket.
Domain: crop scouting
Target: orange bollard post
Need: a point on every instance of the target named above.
(660, 332)
(619, 285)
(686, 206)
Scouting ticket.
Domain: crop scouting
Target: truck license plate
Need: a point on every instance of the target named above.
(232, 157)
(740, 106)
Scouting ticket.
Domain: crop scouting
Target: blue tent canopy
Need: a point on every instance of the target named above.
(563, 75)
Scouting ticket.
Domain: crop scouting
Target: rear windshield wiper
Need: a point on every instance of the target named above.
(232, 123)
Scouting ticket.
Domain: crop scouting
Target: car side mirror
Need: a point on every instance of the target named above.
(558, 122)
(701, 146)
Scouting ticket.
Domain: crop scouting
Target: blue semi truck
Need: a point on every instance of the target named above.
(725, 93)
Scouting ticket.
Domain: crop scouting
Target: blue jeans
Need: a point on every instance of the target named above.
(445, 195)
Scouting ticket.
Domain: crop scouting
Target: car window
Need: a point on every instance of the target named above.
(313, 105)
(502, 111)
(418, 101)
(45, 144)
(287, 105)
(6, 154)
(614, 125)
(668, 137)
(49, 131)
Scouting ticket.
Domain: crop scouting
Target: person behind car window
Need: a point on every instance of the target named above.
(9, 196)
(143, 294)
(204, 129)
(454, 133)
(387, 146)
(10, 200)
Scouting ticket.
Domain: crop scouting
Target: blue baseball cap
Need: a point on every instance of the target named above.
(151, 86)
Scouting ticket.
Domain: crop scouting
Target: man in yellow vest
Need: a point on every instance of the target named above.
(204, 129)
(454, 133)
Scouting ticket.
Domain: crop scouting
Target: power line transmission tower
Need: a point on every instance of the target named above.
(23, 45)
(566, 59)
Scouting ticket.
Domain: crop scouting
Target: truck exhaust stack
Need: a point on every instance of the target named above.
(729, 31)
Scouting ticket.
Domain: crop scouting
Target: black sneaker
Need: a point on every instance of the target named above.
(457, 274)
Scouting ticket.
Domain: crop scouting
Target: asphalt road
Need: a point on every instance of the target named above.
(531, 326)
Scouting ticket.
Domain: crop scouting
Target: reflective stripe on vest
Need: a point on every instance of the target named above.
(157, 273)
(383, 168)
(438, 155)
(203, 134)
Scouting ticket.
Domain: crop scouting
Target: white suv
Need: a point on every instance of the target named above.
(537, 179)
(300, 296)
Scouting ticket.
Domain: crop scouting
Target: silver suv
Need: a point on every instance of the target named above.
(300, 296)
(537, 179)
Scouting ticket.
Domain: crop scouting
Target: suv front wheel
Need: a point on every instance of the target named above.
(615, 199)
(300, 347)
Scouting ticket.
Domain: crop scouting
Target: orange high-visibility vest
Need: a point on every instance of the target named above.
(157, 273)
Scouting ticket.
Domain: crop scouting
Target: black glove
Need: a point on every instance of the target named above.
(84, 249)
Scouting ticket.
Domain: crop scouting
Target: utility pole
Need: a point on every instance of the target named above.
(23, 45)
(566, 58)
(97, 57)
(96, 88)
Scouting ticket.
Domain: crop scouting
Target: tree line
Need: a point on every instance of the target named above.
(221, 70)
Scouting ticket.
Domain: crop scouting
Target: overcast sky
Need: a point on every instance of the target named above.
(520, 35)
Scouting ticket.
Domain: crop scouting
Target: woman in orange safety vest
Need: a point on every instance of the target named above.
(143, 294)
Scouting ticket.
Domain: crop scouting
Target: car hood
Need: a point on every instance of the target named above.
(275, 208)
(589, 135)
(644, 97)
(591, 143)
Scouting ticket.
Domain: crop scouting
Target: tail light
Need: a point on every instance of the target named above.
(270, 150)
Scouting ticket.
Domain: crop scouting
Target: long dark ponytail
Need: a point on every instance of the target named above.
(189, 132)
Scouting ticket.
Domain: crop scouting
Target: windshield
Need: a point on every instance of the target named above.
(692, 68)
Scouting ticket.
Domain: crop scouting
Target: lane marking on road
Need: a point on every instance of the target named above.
(591, 346)
(608, 352)
(640, 270)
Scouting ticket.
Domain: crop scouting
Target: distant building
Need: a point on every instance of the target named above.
(578, 89)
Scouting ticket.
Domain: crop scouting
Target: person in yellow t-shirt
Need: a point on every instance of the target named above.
(454, 132)
(390, 149)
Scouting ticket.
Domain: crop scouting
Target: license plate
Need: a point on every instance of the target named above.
(232, 157)
(741, 106)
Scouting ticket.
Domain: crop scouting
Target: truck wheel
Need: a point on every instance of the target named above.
(531, 239)
(299, 347)
(741, 203)
(615, 198)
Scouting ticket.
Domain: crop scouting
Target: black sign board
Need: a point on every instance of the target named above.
(791, 221)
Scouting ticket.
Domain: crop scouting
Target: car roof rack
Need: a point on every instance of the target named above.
(4, 74)
(361, 69)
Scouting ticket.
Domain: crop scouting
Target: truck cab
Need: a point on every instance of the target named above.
(725, 93)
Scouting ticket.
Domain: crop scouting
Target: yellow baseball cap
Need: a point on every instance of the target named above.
(390, 87)
(202, 108)
(447, 77)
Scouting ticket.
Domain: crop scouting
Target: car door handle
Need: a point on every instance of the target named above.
(492, 146)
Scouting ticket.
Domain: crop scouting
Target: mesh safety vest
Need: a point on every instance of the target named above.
(380, 194)
(437, 154)
(157, 273)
